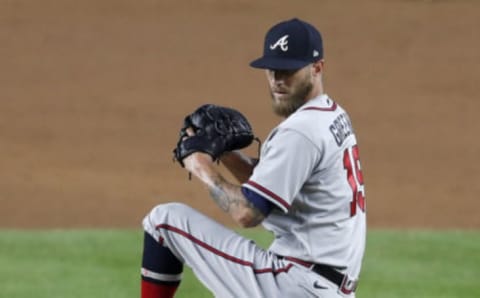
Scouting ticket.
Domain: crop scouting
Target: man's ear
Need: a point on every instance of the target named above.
(318, 66)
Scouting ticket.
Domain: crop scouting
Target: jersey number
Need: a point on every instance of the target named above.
(351, 163)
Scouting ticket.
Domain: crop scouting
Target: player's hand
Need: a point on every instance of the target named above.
(196, 160)
(214, 130)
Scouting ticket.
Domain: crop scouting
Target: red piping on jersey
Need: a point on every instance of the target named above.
(220, 253)
(330, 109)
(268, 192)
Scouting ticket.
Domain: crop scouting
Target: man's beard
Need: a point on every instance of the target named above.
(287, 106)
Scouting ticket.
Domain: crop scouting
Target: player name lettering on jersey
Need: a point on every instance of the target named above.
(341, 128)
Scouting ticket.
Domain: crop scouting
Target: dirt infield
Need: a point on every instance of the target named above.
(92, 94)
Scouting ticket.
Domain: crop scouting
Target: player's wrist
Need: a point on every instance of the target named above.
(196, 161)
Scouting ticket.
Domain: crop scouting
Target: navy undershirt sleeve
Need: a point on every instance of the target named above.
(262, 204)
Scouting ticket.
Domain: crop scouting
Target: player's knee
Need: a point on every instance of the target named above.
(172, 209)
(166, 213)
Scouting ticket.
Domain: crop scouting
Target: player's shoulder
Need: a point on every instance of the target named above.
(322, 103)
(320, 120)
(316, 113)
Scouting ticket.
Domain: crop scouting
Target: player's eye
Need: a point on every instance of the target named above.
(281, 73)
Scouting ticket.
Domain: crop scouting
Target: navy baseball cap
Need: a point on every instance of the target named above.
(290, 44)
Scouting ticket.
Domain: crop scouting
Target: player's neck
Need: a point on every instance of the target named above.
(316, 91)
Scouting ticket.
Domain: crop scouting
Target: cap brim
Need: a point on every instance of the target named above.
(278, 63)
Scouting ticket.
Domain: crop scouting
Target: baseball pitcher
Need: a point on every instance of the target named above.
(306, 187)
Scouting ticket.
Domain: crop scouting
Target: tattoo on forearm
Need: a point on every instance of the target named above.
(227, 198)
(221, 196)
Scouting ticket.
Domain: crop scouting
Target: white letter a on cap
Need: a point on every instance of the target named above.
(282, 42)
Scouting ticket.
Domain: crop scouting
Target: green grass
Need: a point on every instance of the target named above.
(67, 264)
(105, 263)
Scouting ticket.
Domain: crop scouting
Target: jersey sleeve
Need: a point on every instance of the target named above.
(262, 204)
(287, 160)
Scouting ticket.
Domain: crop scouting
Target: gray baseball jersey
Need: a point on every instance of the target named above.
(320, 216)
(320, 193)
